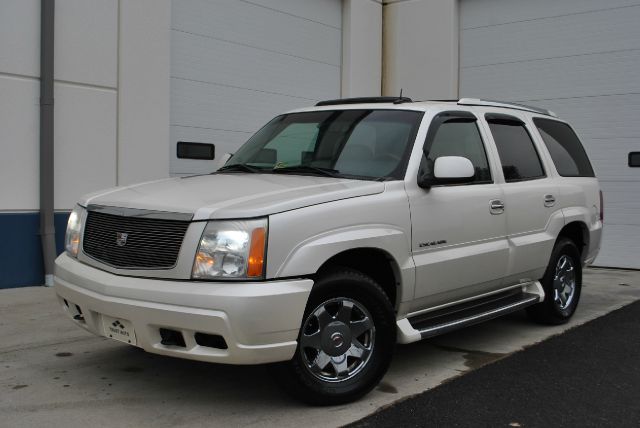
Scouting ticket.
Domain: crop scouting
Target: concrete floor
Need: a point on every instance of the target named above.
(54, 374)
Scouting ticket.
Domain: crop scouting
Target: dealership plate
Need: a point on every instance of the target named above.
(118, 329)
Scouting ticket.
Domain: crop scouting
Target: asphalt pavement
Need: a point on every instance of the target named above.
(586, 377)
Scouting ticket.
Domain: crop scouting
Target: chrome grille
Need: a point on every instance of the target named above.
(133, 242)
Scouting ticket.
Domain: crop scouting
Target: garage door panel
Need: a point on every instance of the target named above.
(581, 64)
(610, 158)
(622, 202)
(224, 141)
(620, 246)
(552, 37)
(574, 76)
(602, 117)
(214, 61)
(196, 104)
(476, 13)
(235, 64)
(244, 23)
(326, 12)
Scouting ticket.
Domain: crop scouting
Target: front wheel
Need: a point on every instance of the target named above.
(562, 283)
(345, 343)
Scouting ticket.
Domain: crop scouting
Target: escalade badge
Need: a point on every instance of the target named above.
(121, 239)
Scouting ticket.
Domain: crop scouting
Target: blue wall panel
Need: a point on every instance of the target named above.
(20, 248)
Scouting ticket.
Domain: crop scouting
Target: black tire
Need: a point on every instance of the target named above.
(551, 311)
(339, 286)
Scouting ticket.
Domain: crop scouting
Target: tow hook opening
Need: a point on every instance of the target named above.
(172, 338)
(210, 340)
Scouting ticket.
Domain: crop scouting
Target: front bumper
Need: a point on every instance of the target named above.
(259, 321)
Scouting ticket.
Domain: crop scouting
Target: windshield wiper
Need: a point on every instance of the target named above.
(240, 167)
(307, 168)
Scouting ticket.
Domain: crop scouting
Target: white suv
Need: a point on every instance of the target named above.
(338, 231)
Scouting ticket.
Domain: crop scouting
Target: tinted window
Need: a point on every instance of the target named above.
(634, 159)
(351, 143)
(458, 138)
(518, 155)
(565, 149)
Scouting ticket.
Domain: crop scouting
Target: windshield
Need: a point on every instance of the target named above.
(366, 144)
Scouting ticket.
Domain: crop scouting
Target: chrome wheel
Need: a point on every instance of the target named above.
(337, 340)
(564, 282)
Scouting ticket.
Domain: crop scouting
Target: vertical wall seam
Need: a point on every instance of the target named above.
(343, 6)
(119, 29)
(383, 54)
(457, 28)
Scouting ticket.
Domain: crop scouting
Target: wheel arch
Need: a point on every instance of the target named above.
(376, 263)
(578, 232)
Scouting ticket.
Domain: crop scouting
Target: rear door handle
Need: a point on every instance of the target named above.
(496, 206)
(549, 200)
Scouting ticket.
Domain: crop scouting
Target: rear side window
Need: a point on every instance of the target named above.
(565, 149)
(518, 155)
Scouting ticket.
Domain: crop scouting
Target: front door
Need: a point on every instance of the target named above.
(458, 231)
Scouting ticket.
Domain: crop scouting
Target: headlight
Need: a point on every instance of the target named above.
(231, 250)
(74, 229)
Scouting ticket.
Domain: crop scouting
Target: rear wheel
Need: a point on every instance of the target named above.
(346, 341)
(562, 283)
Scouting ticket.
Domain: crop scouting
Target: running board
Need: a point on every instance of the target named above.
(484, 308)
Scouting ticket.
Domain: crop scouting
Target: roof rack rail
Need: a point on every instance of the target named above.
(365, 100)
(506, 104)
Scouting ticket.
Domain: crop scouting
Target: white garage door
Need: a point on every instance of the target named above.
(237, 63)
(581, 59)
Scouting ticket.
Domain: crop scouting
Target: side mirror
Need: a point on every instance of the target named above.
(223, 160)
(449, 170)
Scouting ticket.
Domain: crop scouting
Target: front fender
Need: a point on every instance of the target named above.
(310, 254)
(301, 241)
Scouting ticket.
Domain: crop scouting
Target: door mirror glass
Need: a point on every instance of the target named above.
(450, 170)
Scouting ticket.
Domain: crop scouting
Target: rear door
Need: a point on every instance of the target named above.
(458, 244)
(531, 208)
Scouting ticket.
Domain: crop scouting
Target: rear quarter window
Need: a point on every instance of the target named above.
(565, 148)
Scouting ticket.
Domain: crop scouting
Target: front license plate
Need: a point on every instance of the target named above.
(118, 329)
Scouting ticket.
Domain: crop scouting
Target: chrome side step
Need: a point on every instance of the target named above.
(468, 313)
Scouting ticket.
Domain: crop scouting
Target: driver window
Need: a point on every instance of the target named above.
(458, 138)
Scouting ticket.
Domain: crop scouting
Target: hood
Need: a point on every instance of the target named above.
(233, 195)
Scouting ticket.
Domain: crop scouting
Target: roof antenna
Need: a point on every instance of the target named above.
(401, 99)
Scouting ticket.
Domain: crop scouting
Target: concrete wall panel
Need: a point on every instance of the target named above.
(20, 37)
(85, 142)
(421, 49)
(362, 48)
(86, 41)
(19, 122)
(143, 91)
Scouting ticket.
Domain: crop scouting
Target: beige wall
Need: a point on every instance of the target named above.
(143, 90)
(420, 48)
(361, 48)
